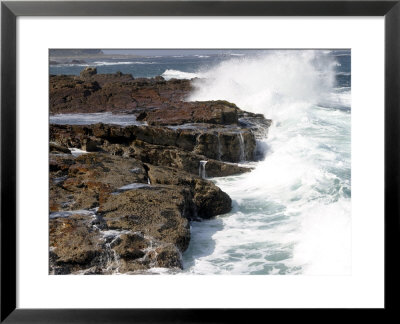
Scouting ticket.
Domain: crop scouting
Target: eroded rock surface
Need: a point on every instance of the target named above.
(105, 217)
(92, 92)
(122, 197)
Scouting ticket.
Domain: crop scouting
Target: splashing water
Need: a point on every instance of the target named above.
(202, 169)
(292, 214)
(241, 142)
(219, 147)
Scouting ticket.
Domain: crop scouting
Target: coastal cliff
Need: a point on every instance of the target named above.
(122, 196)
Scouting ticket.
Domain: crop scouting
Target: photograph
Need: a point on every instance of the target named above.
(200, 161)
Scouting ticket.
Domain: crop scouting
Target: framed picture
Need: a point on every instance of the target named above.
(198, 160)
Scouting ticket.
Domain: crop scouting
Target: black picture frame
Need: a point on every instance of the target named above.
(10, 10)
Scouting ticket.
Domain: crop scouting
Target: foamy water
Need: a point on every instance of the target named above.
(176, 74)
(292, 214)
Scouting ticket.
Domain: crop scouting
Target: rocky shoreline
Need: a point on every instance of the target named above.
(122, 197)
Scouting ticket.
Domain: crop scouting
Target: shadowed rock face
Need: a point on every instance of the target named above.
(207, 198)
(125, 204)
(230, 144)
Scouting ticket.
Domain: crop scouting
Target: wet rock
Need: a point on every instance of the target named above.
(90, 179)
(82, 243)
(73, 244)
(131, 246)
(88, 72)
(162, 146)
(210, 200)
(91, 145)
(161, 212)
(132, 266)
(59, 164)
(155, 135)
(145, 182)
(211, 112)
(168, 256)
(54, 147)
(256, 122)
(226, 145)
(69, 94)
(189, 162)
(233, 144)
(114, 92)
(207, 197)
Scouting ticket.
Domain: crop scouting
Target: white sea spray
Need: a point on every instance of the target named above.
(292, 214)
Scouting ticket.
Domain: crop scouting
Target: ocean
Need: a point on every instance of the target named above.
(292, 214)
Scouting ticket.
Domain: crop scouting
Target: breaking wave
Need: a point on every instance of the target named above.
(176, 74)
(292, 214)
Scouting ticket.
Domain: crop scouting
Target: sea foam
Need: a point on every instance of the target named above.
(176, 74)
(292, 214)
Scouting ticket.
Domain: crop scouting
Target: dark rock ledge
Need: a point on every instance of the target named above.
(125, 205)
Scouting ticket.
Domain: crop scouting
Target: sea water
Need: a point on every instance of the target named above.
(94, 118)
(292, 214)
